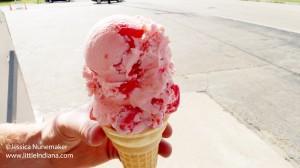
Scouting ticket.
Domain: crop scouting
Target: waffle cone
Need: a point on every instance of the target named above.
(138, 150)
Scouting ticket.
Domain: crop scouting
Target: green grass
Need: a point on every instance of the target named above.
(277, 1)
(6, 3)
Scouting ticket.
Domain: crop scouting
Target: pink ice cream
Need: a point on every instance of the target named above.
(129, 74)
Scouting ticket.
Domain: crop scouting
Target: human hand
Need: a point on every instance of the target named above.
(85, 139)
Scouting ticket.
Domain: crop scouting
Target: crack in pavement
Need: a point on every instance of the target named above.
(241, 49)
(226, 70)
(162, 11)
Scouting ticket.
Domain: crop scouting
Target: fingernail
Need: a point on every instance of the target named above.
(96, 136)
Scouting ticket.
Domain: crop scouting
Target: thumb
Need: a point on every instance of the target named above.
(92, 133)
(71, 128)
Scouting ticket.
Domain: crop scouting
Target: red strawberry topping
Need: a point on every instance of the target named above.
(129, 119)
(136, 70)
(128, 86)
(174, 105)
(157, 101)
(130, 33)
(133, 32)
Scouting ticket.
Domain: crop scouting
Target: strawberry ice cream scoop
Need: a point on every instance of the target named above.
(129, 74)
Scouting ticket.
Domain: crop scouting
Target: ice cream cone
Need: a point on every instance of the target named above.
(137, 150)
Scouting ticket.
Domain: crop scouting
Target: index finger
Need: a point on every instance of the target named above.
(168, 131)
